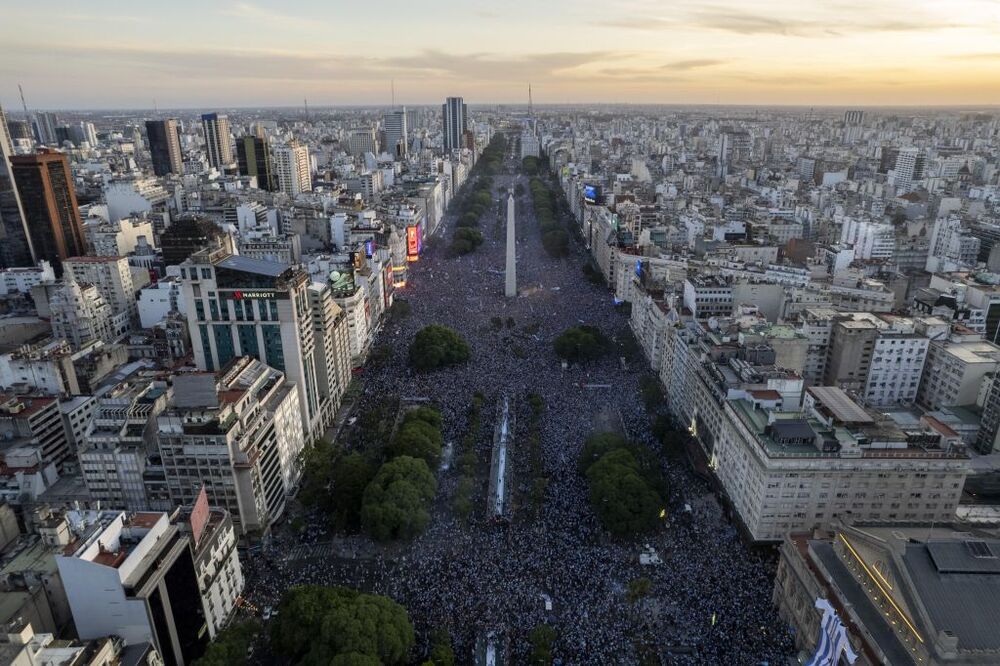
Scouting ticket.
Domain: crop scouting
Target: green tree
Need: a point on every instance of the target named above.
(396, 502)
(230, 645)
(597, 445)
(419, 436)
(437, 346)
(442, 653)
(337, 625)
(620, 496)
(350, 476)
(581, 343)
(541, 637)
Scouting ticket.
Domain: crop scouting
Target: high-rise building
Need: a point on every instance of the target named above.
(80, 314)
(237, 306)
(396, 132)
(291, 163)
(51, 213)
(133, 576)
(253, 155)
(454, 122)
(45, 127)
(112, 277)
(361, 141)
(238, 435)
(165, 146)
(218, 141)
(15, 241)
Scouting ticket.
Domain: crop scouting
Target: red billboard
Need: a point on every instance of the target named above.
(412, 241)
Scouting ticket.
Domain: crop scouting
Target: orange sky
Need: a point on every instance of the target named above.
(116, 53)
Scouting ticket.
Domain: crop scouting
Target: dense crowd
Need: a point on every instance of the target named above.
(479, 577)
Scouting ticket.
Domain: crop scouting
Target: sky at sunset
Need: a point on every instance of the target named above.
(114, 54)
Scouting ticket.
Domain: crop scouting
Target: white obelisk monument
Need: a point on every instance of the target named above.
(510, 277)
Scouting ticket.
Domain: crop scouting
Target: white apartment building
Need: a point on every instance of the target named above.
(80, 315)
(238, 437)
(792, 472)
(291, 165)
(954, 370)
(111, 275)
(870, 240)
(897, 364)
(158, 300)
(21, 280)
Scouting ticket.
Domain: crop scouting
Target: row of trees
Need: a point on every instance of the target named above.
(473, 201)
(555, 238)
(626, 490)
(396, 503)
(467, 459)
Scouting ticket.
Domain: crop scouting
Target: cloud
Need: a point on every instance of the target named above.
(784, 24)
(527, 67)
(694, 63)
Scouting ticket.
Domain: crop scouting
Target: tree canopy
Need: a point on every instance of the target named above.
(581, 343)
(230, 645)
(436, 346)
(396, 503)
(620, 496)
(337, 625)
(419, 436)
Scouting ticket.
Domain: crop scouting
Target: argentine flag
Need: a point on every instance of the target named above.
(832, 639)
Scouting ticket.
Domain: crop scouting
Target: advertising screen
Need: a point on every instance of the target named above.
(590, 193)
(369, 248)
(412, 241)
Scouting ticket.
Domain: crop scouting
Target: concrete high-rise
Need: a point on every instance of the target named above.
(237, 306)
(253, 155)
(291, 163)
(454, 122)
(15, 241)
(396, 134)
(218, 142)
(165, 146)
(51, 213)
(45, 127)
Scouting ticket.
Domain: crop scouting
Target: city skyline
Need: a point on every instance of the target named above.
(778, 53)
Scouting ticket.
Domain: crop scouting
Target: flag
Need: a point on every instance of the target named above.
(832, 639)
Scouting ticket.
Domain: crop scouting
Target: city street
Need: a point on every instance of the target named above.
(710, 599)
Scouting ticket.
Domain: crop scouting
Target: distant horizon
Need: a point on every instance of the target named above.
(114, 54)
(15, 112)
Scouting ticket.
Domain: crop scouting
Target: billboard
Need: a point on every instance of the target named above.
(590, 193)
(369, 248)
(412, 241)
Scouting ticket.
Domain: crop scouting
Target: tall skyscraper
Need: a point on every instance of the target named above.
(455, 121)
(253, 155)
(396, 134)
(165, 146)
(45, 127)
(51, 213)
(15, 243)
(291, 162)
(218, 142)
(361, 141)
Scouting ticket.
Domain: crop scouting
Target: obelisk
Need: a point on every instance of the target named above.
(510, 277)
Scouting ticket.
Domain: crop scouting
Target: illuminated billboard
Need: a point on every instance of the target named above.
(369, 248)
(412, 242)
(591, 193)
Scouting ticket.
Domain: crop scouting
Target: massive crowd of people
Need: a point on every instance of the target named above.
(709, 600)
